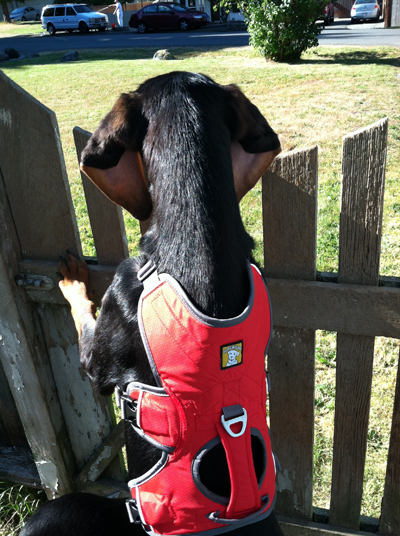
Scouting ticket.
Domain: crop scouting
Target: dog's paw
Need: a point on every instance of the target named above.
(74, 284)
(73, 269)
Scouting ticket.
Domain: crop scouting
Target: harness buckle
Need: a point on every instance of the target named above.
(231, 415)
(127, 405)
(146, 271)
(133, 512)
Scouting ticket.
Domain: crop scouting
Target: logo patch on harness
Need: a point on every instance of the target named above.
(231, 355)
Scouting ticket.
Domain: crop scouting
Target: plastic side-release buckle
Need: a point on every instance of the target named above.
(148, 275)
(153, 415)
(133, 512)
(232, 415)
(127, 405)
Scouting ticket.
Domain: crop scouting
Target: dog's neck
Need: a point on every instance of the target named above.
(197, 234)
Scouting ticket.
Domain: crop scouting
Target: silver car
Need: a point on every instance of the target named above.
(365, 10)
(24, 13)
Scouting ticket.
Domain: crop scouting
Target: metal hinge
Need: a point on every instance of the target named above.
(34, 282)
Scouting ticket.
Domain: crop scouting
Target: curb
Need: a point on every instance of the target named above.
(377, 26)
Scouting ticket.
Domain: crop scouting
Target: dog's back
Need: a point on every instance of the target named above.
(202, 146)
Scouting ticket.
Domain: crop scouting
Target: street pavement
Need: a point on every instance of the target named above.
(342, 33)
(339, 33)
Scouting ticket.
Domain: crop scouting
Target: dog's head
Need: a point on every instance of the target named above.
(112, 158)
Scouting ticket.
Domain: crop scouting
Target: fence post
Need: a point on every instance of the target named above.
(289, 195)
(363, 182)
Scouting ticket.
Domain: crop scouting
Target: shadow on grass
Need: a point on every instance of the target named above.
(90, 55)
(352, 57)
(384, 56)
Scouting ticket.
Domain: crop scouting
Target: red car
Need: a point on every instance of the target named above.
(163, 15)
(329, 12)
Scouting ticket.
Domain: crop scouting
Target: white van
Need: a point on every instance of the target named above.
(72, 17)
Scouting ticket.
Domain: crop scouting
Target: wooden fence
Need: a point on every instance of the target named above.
(70, 430)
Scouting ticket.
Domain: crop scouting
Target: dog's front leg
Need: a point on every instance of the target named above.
(74, 287)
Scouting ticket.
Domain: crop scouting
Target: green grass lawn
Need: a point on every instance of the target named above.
(15, 29)
(328, 94)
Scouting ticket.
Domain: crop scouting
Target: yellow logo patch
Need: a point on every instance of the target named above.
(231, 355)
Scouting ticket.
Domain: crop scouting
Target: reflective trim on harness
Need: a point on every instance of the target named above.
(211, 394)
(214, 516)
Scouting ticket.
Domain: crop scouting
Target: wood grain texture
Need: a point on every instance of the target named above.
(293, 527)
(100, 278)
(291, 366)
(37, 184)
(363, 187)
(26, 367)
(27, 384)
(363, 182)
(106, 218)
(352, 404)
(390, 515)
(101, 458)
(86, 413)
(289, 196)
(289, 224)
(40, 349)
(357, 309)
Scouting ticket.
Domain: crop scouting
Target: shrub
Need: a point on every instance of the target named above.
(282, 29)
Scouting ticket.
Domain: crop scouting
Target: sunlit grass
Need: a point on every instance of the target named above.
(17, 503)
(15, 29)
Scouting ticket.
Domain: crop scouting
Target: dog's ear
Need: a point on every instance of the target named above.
(254, 143)
(111, 159)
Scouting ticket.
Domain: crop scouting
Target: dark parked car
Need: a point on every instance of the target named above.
(327, 13)
(165, 15)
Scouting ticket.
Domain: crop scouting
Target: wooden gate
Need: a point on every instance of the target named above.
(65, 422)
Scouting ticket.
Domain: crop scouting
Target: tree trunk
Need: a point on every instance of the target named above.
(6, 13)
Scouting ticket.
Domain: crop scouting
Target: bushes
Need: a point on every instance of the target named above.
(282, 29)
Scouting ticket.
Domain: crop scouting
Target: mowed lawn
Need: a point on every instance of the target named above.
(316, 101)
(16, 29)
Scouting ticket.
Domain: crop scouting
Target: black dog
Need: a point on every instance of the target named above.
(183, 150)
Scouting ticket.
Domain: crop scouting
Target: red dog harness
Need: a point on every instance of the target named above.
(211, 390)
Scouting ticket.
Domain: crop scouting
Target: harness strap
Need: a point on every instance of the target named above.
(245, 495)
(148, 275)
(152, 414)
(157, 417)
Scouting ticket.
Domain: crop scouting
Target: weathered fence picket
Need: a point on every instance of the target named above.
(363, 184)
(290, 253)
(106, 219)
(70, 429)
(63, 418)
(390, 515)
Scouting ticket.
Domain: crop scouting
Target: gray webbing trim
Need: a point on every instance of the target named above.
(232, 412)
(214, 515)
(148, 275)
